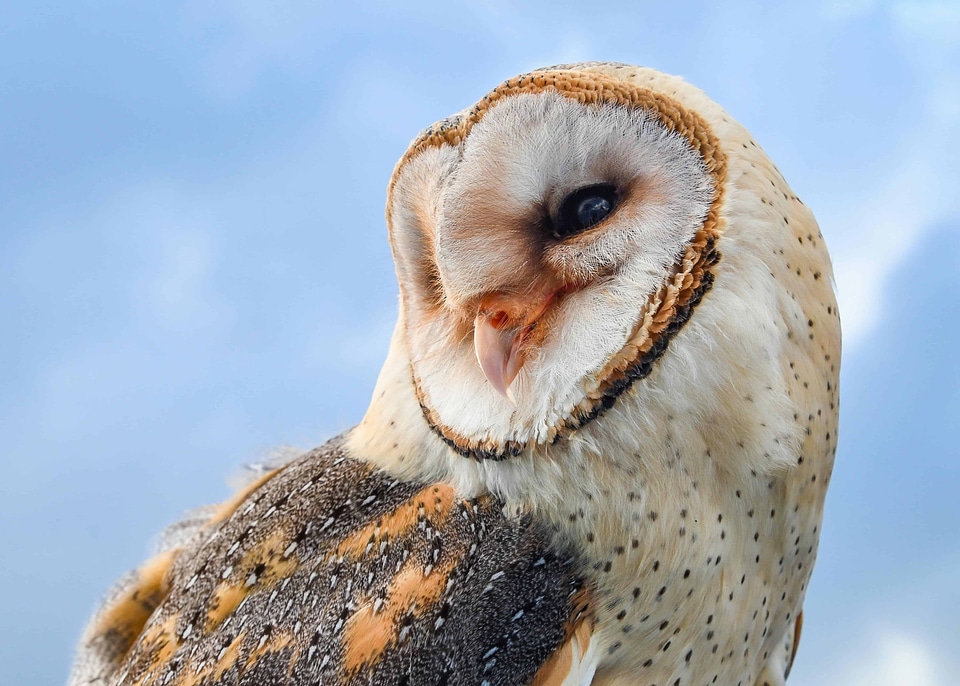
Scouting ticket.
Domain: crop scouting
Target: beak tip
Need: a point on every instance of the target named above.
(498, 356)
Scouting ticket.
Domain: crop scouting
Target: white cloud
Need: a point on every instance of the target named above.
(897, 628)
(888, 658)
(880, 230)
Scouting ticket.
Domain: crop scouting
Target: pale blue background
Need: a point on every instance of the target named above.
(194, 267)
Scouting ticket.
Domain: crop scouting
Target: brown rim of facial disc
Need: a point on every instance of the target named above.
(666, 310)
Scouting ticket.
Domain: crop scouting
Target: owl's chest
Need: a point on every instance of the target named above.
(694, 583)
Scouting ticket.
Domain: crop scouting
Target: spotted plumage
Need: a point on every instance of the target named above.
(328, 570)
(598, 449)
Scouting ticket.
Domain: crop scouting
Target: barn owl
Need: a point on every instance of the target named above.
(598, 449)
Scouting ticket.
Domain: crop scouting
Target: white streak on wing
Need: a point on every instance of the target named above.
(582, 669)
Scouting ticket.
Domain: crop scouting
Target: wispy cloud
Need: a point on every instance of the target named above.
(917, 195)
(889, 657)
(894, 659)
(880, 231)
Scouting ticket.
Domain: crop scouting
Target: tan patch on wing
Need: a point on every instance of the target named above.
(797, 628)
(571, 652)
(228, 507)
(557, 667)
(226, 598)
(268, 560)
(160, 642)
(435, 501)
(227, 659)
(123, 621)
(261, 566)
(274, 644)
(371, 630)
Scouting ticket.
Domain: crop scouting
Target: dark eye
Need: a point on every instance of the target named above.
(585, 207)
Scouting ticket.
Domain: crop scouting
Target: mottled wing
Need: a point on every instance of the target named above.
(329, 571)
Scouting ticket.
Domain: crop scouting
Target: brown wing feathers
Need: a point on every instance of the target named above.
(331, 572)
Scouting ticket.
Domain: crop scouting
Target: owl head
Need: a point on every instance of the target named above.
(555, 246)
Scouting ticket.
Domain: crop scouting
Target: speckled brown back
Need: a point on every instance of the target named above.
(328, 571)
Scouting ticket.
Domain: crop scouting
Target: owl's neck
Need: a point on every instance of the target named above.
(589, 486)
(688, 407)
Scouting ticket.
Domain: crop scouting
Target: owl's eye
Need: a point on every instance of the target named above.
(583, 208)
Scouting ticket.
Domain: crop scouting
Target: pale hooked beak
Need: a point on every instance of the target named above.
(503, 324)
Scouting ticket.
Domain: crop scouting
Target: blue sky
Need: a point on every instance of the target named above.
(194, 266)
